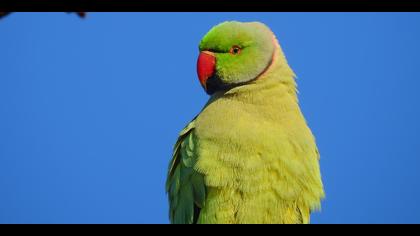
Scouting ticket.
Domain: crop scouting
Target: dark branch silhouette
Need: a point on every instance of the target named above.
(80, 14)
(3, 14)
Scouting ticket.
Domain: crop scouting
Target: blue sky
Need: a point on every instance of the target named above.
(90, 109)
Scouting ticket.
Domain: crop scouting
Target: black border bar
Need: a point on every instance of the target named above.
(212, 5)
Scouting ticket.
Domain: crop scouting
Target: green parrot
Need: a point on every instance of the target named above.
(248, 156)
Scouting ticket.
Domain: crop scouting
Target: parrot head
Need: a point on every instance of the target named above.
(233, 54)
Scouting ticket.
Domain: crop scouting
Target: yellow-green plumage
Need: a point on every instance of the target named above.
(248, 157)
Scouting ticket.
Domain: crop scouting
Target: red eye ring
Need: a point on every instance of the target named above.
(235, 50)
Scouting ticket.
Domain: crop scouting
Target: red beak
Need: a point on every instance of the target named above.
(205, 67)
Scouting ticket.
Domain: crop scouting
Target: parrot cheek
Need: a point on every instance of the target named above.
(206, 65)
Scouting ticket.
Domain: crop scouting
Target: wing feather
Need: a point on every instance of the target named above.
(185, 186)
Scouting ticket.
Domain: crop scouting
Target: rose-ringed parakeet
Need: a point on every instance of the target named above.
(249, 156)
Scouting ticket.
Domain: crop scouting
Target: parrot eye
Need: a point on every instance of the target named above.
(235, 50)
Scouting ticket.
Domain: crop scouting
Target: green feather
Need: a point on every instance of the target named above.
(185, 211)
(185, 186)
(197, 181)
